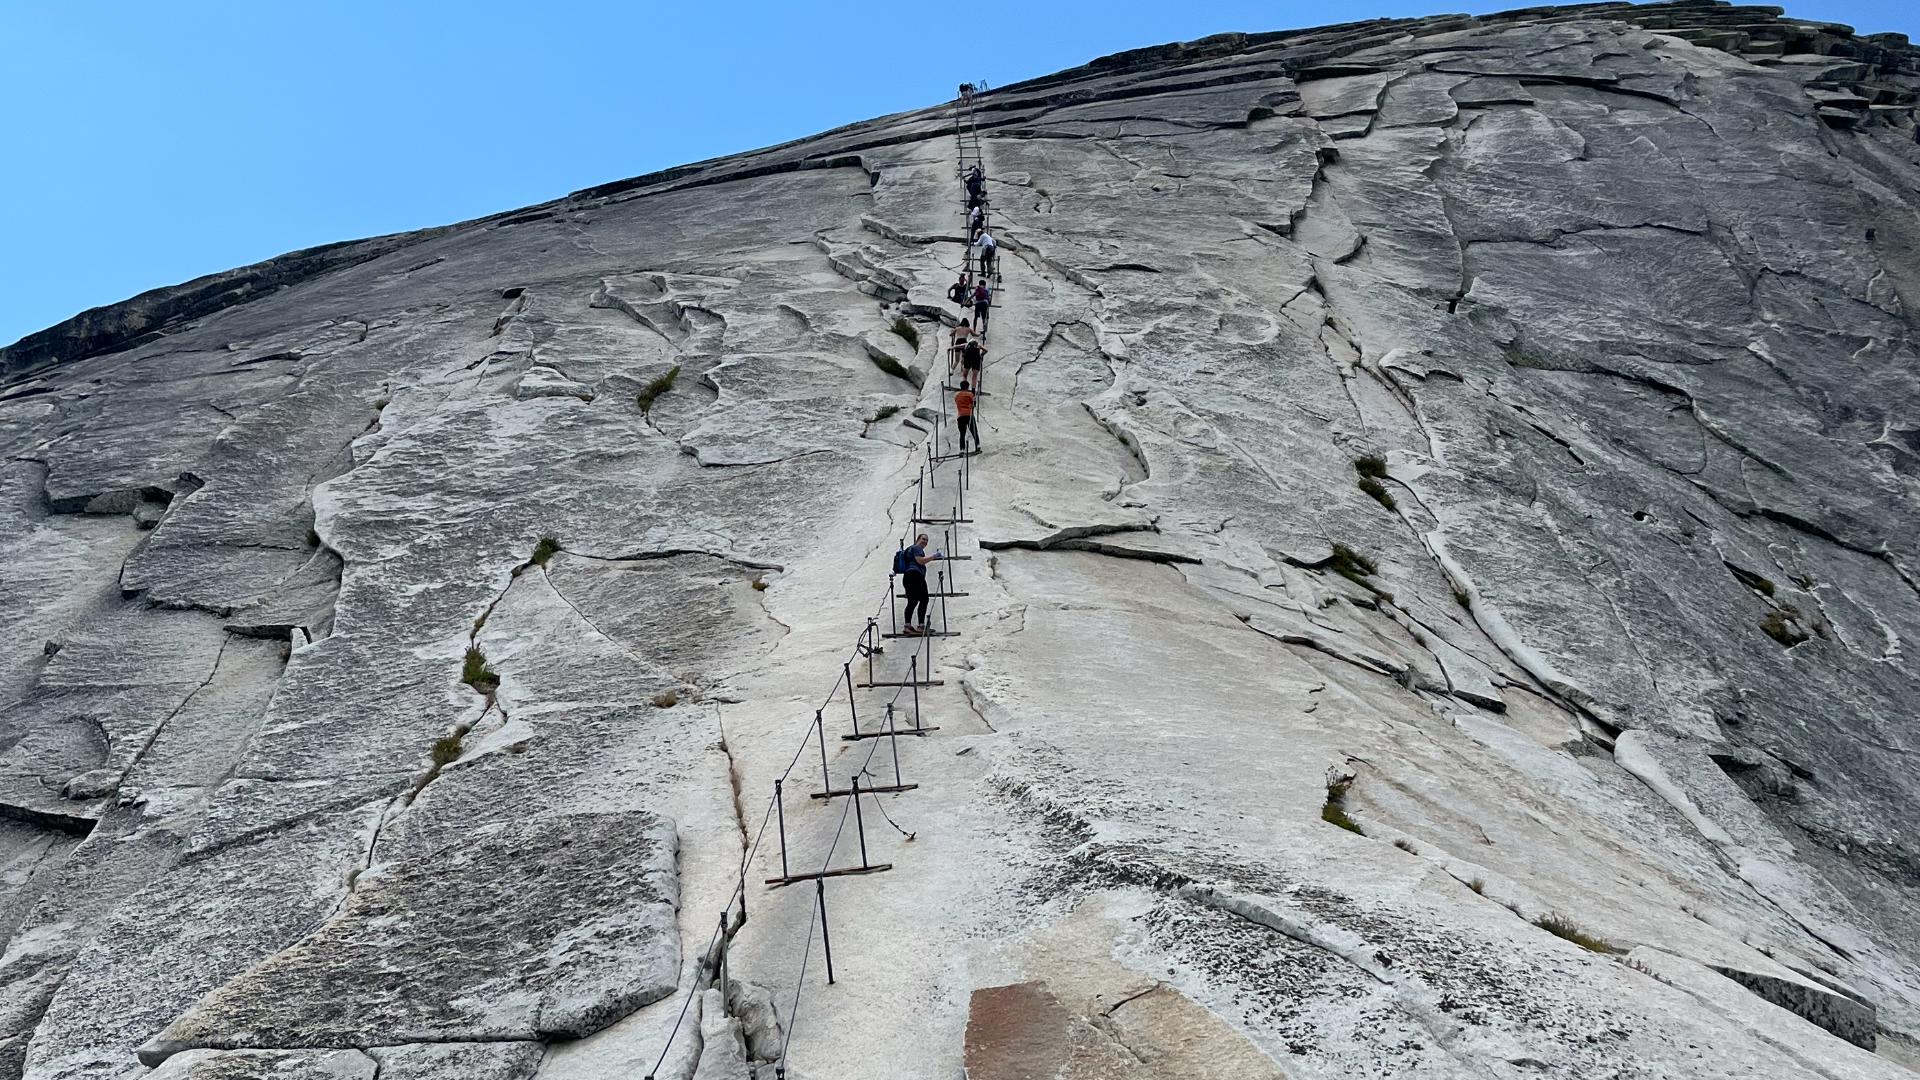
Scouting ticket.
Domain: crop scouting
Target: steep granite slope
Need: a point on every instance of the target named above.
(1442, 575)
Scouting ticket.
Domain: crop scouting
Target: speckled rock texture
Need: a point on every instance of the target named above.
(1440, 602)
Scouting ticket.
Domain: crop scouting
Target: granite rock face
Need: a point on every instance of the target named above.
(1496, 435)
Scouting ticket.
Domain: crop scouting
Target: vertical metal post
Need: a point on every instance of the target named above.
(859, 822)
(870, 639)
(893, 602)
(913, 676)
(960, 509)
(943, 601)
(820, 729)
(847, 670)
(780, 804)
(743, 892)
(919, 493)
(893, 737)
(720, 962)
(826, 943)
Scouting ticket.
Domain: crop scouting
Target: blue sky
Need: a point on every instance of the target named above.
(148, 143)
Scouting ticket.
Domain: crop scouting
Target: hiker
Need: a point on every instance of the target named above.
(963, 411)
(959, 291)
(960, 335)
(989, 248)
(976, 223)
(976, 181)
(982, 303)
(910, 563)
(966, 92)
(973, 357)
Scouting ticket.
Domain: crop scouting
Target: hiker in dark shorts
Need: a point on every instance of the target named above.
(960, 292)
(982, 303)
(963, 411)
(973, 357)
(911, 564)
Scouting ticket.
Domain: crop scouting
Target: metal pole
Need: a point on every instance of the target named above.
(871, 641)
(893, 737)
(820, 729)
(743, 894)
(847, 670)
(859, 821)
(826, 944)
(893, 603)
(913, 676)
(780, 803)
(943, 601)
(720, 963)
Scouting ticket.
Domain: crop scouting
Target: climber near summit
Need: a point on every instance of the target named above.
(989, 250)
(982, 304)
(911, 564)
(963, 413)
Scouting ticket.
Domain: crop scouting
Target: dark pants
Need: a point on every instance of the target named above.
(970, 373)
(987, 259)
(967, 430)
(980, 318)
(916, 585)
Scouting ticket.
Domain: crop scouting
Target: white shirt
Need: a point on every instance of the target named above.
(987, 242)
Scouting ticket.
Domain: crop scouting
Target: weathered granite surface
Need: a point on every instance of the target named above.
(1507, 424)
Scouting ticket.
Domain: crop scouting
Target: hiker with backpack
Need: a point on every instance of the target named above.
(982, 303)
(910, 565)
(963, 413)
(959, 291)
(976, 184)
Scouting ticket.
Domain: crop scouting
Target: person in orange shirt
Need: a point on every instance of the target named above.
(963, 410)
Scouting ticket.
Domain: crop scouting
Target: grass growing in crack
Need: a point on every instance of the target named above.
(886, 411)
(1562, 927)
(652, 391)
(1460, 597)
(1779, 626)
(546, 549)
(1373, 473)
(907, 331)
(477, 674)
(889, 365)
(445, 750)
(1478, 886)
(1335, 810)
(665, 699)
(1378, 490)
(1407, 846)
(759, 584)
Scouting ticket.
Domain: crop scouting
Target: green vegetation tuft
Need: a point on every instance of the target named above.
(477, 674)
(546, 549)
(1780, 626)
(652, 391)
(446, 750)
(1562, 927)
(665, 699)
(907, 331)
(1371, 465)
(1407, 846)
(1335, 810)
(1378, 490)
(1460, 597)
(759, 584)
(1478, 885)
(886, 411)
(889, 365)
